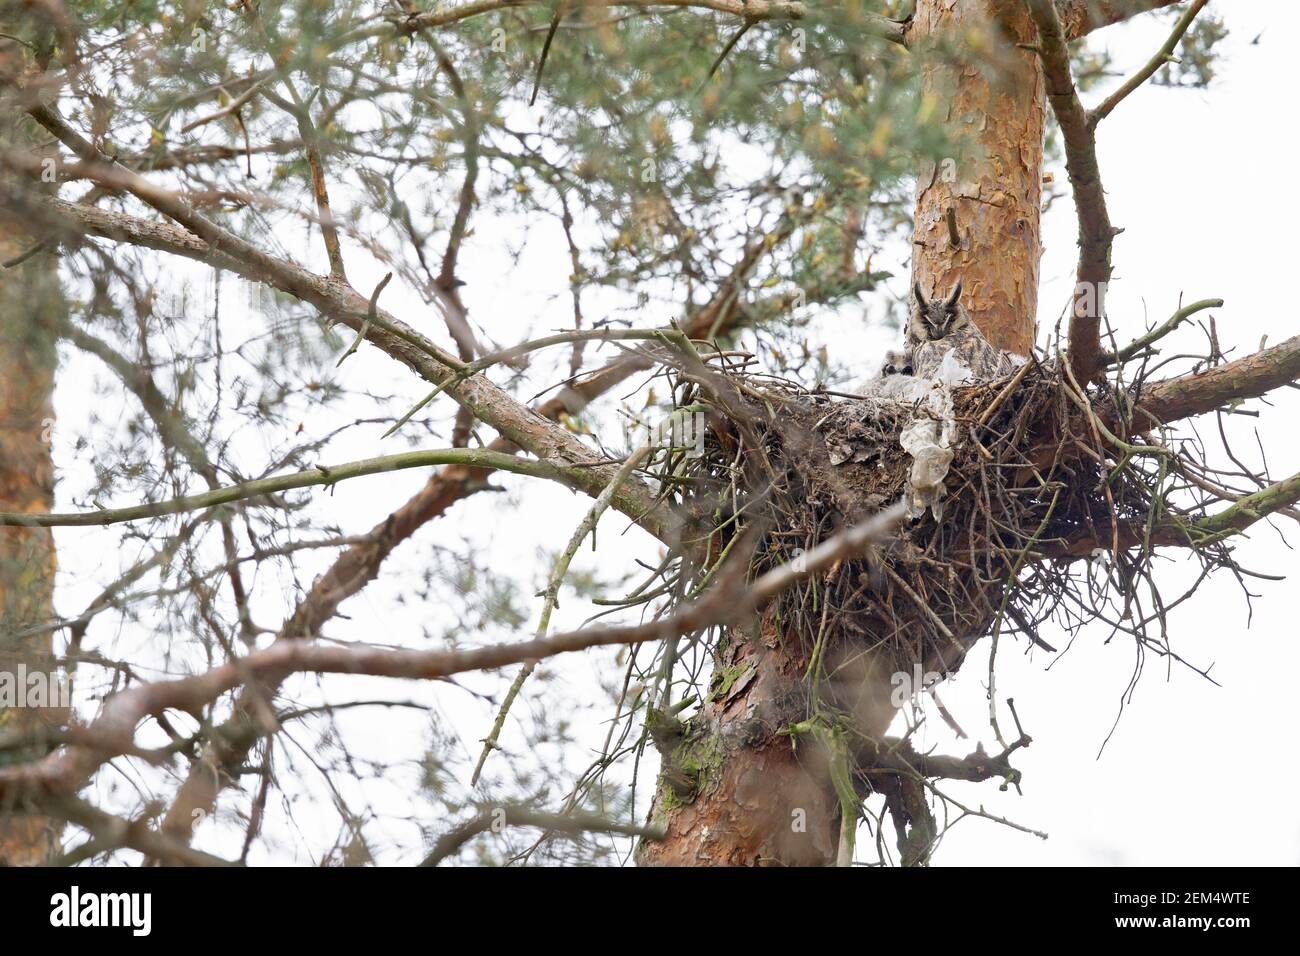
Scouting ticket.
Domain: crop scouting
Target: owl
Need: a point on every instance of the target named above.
(896, 363)
(941, 327)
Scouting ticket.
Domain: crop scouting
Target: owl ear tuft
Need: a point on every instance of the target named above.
(951, 301)
(916, 291)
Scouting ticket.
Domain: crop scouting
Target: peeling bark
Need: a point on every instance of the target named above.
(993, 100)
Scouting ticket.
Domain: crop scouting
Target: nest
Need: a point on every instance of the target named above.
(1043, 511)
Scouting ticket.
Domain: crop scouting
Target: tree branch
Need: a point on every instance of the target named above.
(1081, 17)
(748, 9)
(63, 772)
(1239, 516)
(110, 833)
(1162, 56)
(1250, 377)
(320, 475)
(360, 564)
(338, 301)
(1243, 513)
(551, 596)
(898, 755)
(1142, 342)
(512, 815)
(1095, 230)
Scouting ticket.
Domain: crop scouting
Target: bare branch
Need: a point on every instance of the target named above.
(64, 771)
(1081, 17)
(1095, 230)
(1239, 516)
(898, 755)
(1246, 511)
(1162, 56)
(112, 833)
(748, 9)
(1142, 342)
(1249, 377)
(300, 110)
(234, 106)
(360, 565)
(320, 475)
(551, 596)
(338, 301)
(571, 823)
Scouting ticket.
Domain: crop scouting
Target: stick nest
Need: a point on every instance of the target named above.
(1045, 512)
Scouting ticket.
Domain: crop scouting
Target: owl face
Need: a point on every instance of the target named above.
(896, 363)
(938, 318)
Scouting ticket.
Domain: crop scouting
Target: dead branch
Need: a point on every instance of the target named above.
(338, 301)
(513, 815)
(64, 771)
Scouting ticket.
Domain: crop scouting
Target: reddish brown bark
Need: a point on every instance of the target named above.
(739, 790)
(29, 304)
(991, 96)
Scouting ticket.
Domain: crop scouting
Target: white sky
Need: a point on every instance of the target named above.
(1195, 774)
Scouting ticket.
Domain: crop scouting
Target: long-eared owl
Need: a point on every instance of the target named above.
(937, 327)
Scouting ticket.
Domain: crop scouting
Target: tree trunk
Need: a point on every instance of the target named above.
(738, 787)
(994, 188)
(30, 305)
